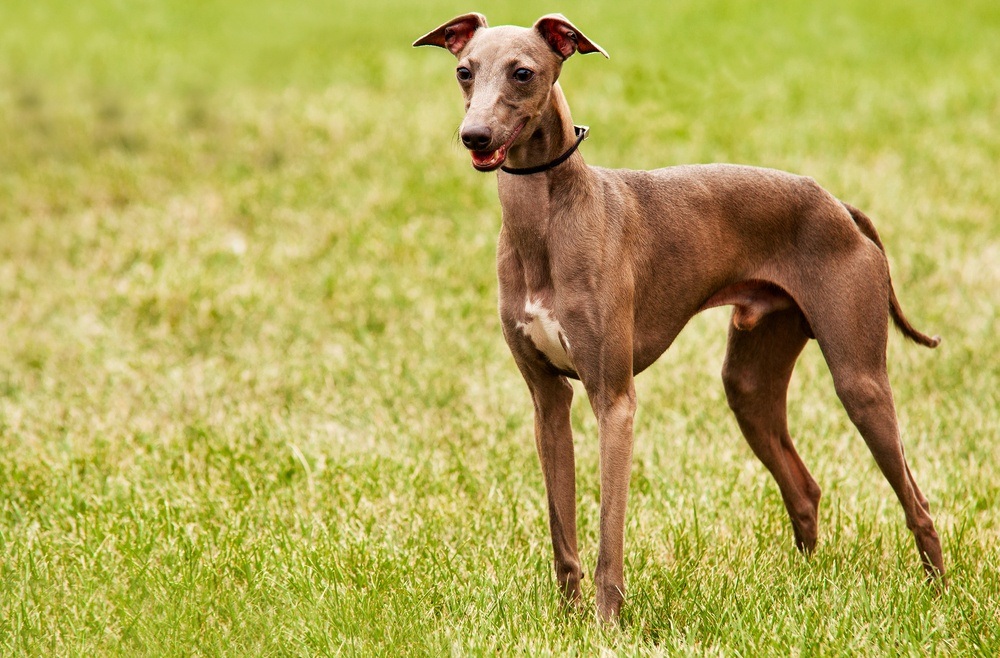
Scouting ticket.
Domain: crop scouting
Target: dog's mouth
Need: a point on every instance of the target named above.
(491, 160)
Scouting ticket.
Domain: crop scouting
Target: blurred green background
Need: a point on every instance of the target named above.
(254, 398)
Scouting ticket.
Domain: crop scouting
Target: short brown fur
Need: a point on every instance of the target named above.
(620, 260)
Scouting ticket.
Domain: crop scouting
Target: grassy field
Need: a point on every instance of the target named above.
(254, 398)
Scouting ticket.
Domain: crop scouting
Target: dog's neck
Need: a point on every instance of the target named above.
(528, 200)
(553, 136)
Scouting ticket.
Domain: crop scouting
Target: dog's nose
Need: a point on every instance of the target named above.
(477, 138)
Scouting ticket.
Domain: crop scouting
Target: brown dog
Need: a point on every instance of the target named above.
(600, 269)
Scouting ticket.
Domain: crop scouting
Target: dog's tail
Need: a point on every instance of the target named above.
(895, 310)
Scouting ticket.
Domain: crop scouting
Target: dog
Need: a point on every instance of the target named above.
(599, 270)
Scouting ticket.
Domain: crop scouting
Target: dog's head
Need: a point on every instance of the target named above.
(506, 74)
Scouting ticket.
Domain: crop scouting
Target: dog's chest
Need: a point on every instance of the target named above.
(542, 327)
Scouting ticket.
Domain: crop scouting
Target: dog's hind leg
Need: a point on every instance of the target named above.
(757, 369)
(852, 331)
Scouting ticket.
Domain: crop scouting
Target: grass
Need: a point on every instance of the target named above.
(254, 398)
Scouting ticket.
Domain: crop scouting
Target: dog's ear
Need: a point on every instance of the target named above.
(564, 38)
(454, 34)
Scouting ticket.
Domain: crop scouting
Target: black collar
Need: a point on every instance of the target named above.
(581, 134)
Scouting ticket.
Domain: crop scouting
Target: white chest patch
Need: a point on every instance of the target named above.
(544, 330)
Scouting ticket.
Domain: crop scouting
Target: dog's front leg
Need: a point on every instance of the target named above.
(552, 396)
(611, 390)
(614, 414)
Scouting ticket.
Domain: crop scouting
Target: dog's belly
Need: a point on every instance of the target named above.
(543, 329)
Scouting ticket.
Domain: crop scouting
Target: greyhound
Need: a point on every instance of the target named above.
(599, 270)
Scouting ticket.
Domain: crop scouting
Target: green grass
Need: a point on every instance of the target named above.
(254, 398)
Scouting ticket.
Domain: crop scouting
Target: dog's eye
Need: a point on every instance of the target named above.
(523, 75)
(463, 74)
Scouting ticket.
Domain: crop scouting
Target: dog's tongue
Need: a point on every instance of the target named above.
(489, 159)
